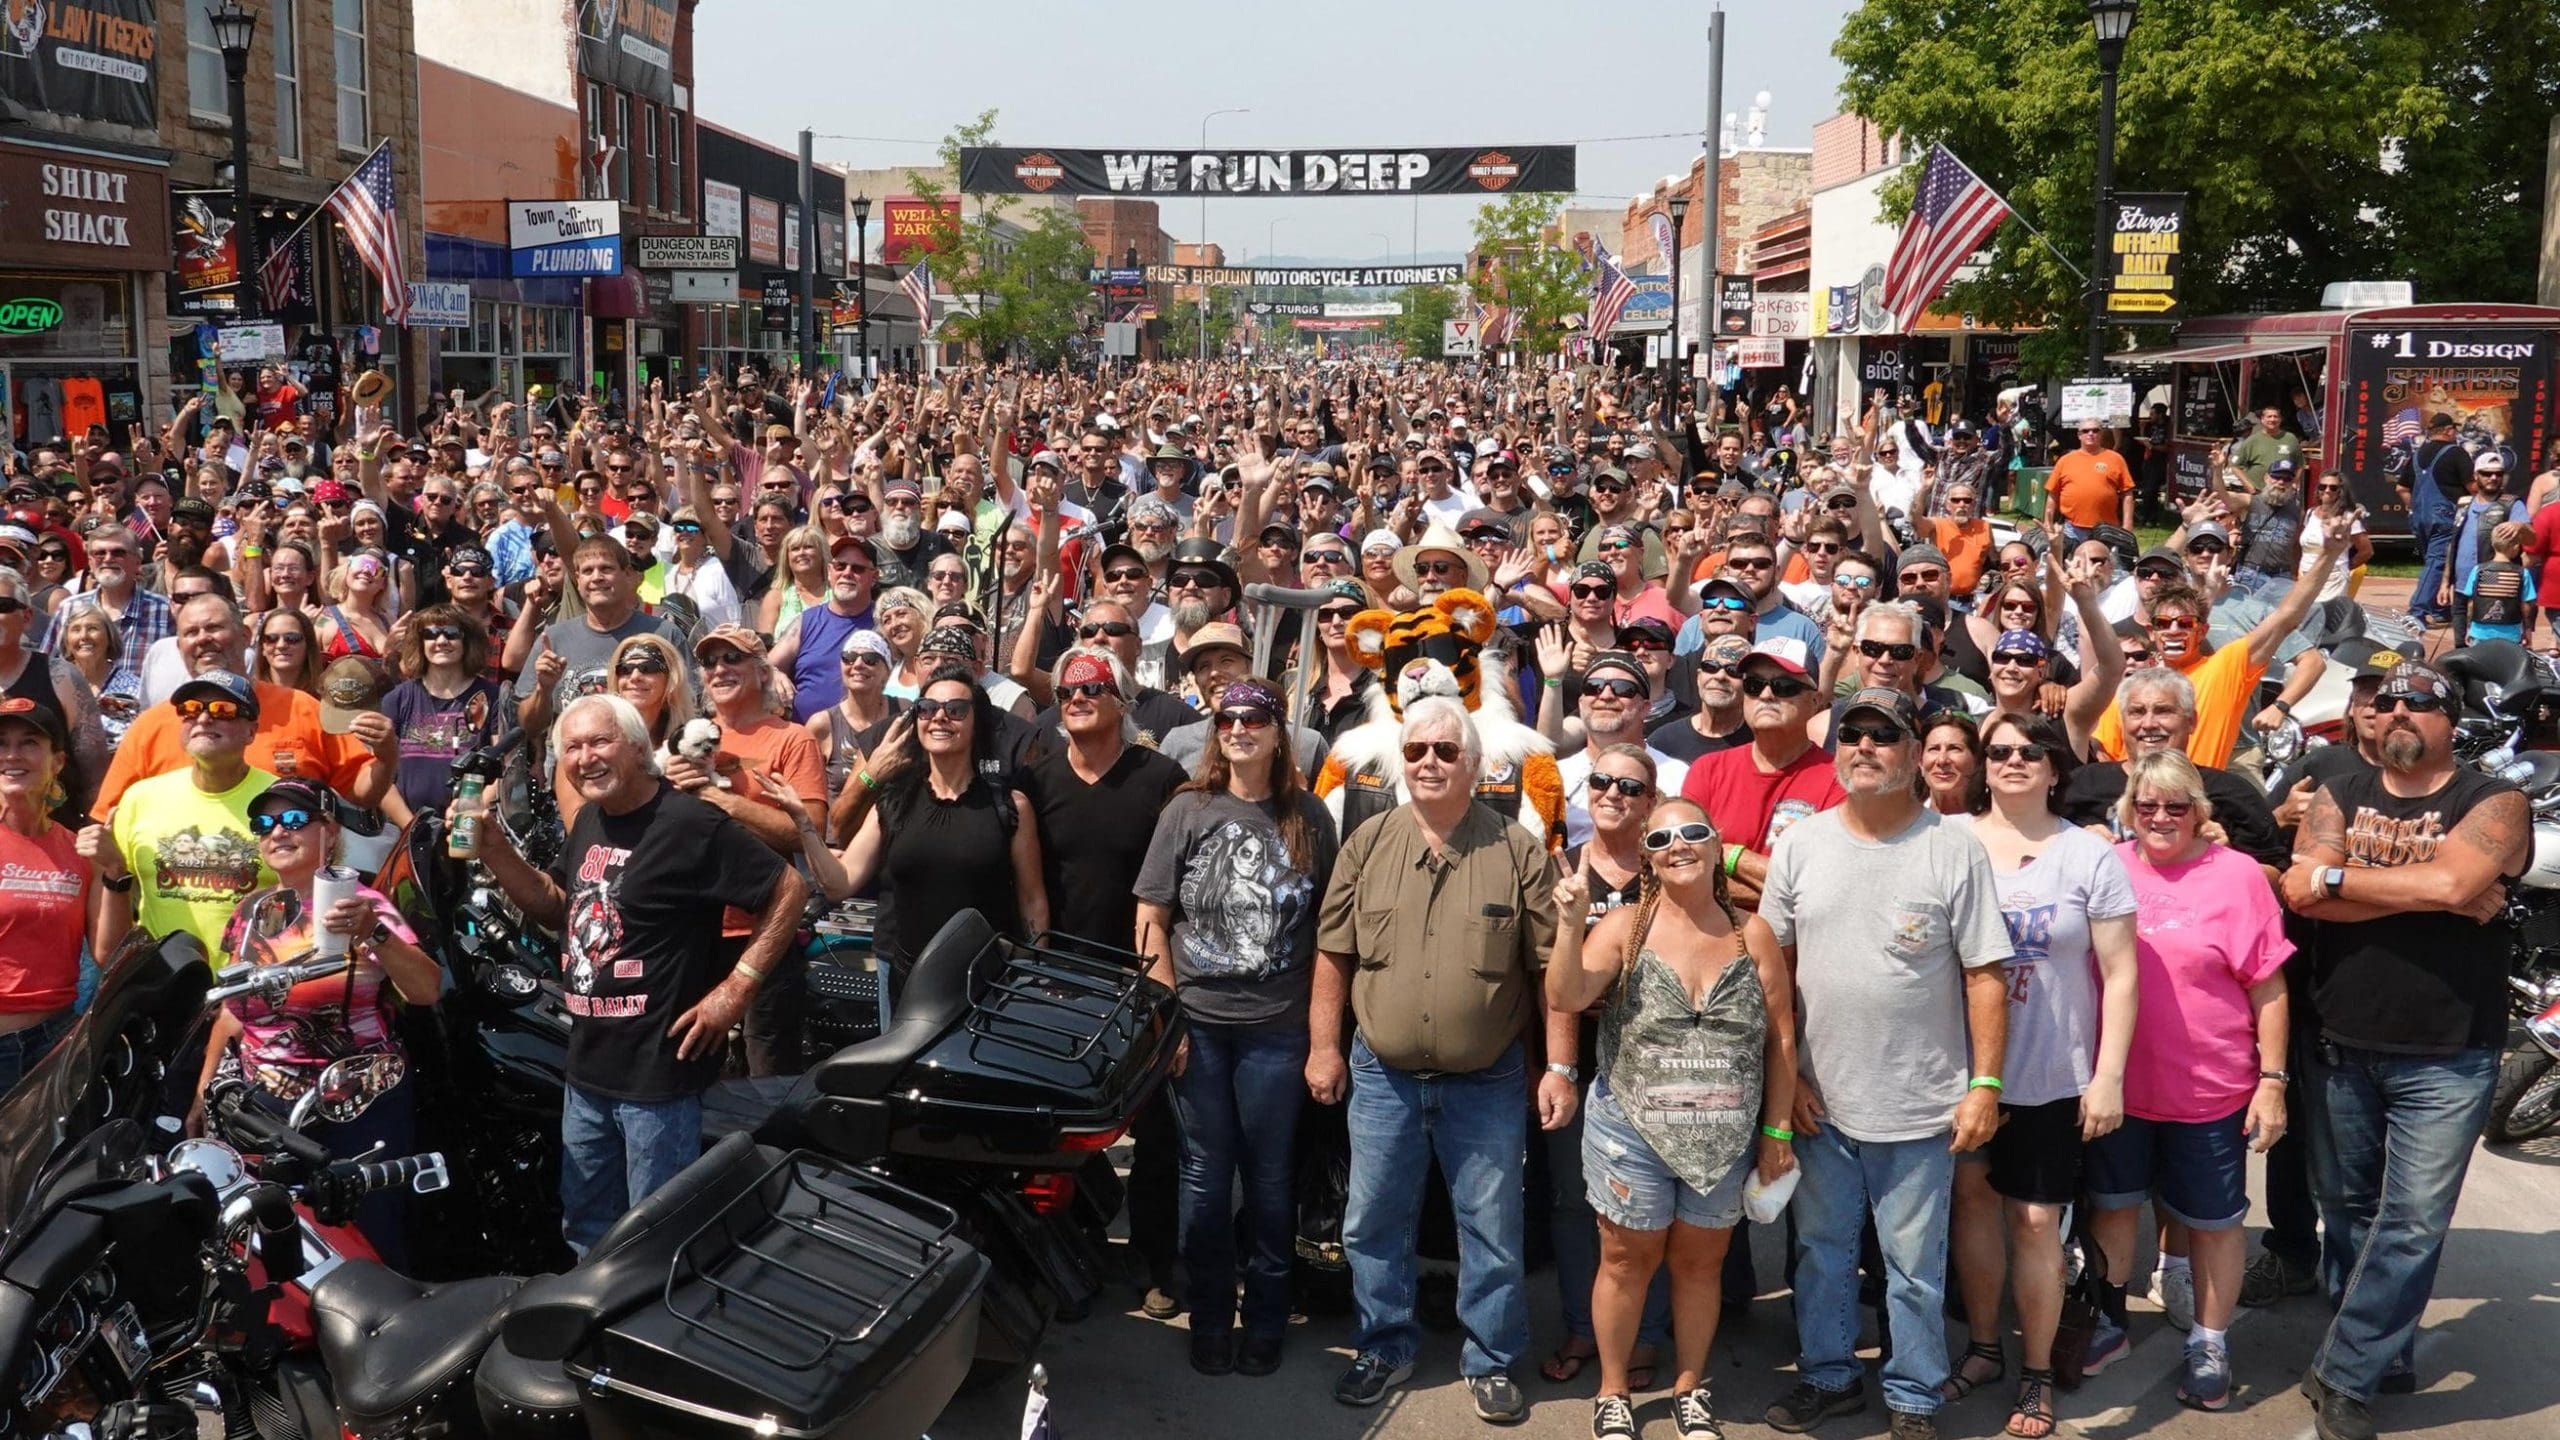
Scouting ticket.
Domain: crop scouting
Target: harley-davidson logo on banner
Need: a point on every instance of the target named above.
(1495, 169)
(1350, 277)
(87, 67)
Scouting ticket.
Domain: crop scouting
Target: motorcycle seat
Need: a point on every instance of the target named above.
(514, 1392)
(393, 1344)
(938, 995)
(2496, 675)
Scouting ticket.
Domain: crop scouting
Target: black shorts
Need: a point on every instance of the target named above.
(2035, 1154)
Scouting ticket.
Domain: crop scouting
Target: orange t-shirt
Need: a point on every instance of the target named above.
(787, 752)
(84, 403)
(289, 741)
(1967, 547)
(2224, 682)
(2089, 489)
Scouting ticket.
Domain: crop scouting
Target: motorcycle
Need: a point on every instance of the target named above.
(1001, 1072)
(763, 1290)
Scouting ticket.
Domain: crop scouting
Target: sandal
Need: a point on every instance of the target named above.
(1640, 1373)
(2033, 1417)
(1959, 1384)
(1563, 1363)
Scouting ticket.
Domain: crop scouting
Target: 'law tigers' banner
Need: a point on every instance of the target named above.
(1487, 170)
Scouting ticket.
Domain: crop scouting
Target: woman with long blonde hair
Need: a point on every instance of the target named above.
(800, 581)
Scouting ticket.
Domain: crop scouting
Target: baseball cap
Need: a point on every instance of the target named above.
(1726, 585)
(2281, 467)
(736, 637)
(1220, 636)
(220, 685)
(2163, 553)
(1483, 520)
(2491, 463)
(295, 792)
(192, 508)
(348, 689)
(849, 542)
(1050, 459)
(1921, 554)
(1886, 701)
(1784, 651)
(42, 717)
(1314, 477)
(2209, 530)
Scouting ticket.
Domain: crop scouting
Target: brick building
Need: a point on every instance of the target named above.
(115, 205)
(1754, 187)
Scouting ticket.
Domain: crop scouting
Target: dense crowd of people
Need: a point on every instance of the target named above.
(1477, 755)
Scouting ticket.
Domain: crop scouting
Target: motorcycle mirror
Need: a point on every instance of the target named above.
(349, 1087)
(2282, 743)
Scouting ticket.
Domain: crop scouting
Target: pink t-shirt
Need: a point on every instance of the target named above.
(2208, 930)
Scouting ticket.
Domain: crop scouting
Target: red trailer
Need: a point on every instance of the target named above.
(2373, 378)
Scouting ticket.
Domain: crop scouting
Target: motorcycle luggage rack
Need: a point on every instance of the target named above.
(809, 1242)
(1091, 982)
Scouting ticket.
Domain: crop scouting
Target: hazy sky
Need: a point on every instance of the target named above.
(1125, 73)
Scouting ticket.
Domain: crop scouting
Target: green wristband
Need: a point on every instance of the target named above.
(1777, 1132)
(1984, 1082)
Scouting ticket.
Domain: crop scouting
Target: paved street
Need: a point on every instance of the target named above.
(2484, 1360)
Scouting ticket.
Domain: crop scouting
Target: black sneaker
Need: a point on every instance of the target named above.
(1809, 1405)
(1213, 1352)
(1369, 1379)
(1693, 1413)
(1258, 1355)
(1907, 1426)
(1613, 1417)
(1498, 1399)
(2335, 1416)
(2271, 1278)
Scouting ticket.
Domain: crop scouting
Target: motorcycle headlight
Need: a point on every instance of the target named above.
(2283, 743)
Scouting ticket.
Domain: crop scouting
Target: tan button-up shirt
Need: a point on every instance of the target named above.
(1449, 945)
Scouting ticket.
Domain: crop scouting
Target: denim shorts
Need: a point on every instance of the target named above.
(1631, 1188)
(2200, 1168)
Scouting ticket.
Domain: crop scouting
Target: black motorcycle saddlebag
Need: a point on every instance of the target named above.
(821, 1301)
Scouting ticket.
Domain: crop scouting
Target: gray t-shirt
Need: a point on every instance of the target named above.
(1244, 918)
(2053, 973)
(589, 650)
(1882, 930)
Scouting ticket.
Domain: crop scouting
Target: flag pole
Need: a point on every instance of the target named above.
(2058, 257)
(296, 232)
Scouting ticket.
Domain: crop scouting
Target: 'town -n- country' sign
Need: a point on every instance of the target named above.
(1489, 169)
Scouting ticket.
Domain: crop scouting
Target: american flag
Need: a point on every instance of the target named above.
(1610, 292)
(2402, 428)
(280, 274)
(368, 209)
(918, 285)
(1951, 217)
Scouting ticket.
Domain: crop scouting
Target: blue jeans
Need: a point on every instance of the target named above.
(1477, 1125)
(1237, 1102)
(2390, 1142)
(2431, 526)
(21, 1049)
(1908, 1184)
(616, 1153)
(1574, 1231)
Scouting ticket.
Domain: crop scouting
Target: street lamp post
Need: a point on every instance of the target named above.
(233, 29)
(862, 284)
(1679, 207)
(2113, 21)
(1203, 302)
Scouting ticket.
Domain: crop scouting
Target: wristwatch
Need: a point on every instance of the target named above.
(1571, 1075)
(2332, 880)
(2278, 1076)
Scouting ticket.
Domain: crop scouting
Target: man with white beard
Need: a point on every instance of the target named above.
(906, 546)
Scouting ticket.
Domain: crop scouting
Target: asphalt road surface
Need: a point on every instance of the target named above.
(2485, 1360)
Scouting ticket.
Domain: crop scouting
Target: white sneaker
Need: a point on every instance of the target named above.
(2175, 1293)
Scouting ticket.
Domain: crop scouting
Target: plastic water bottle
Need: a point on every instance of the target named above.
(464, 841)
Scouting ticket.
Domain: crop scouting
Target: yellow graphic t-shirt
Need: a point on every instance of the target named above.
(191, 853)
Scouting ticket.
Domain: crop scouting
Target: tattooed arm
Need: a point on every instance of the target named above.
(89, 749)
(2466, 877)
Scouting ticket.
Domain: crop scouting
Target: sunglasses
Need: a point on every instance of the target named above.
(1646, 645)
(2172, 809)
(1242, 719)
(208, 709)
(1615, 547)
(1785, 687)
(1878, 650)
(1621, 688)
(1437, 567)
(2028, 751)
(860, 657)
(1330, 555)
(953, 710)
(1734, 603)
(1759, 562)
(1854, 582)
(476, 572)
(2135, 655)
(1824, 547)
(1627, 785)
(641, 665)
(1116, 629)
(2015, 657)
(1089, 690)
(848, 567)
(2176, 622)
(1445, 751)
(1886, 733)
(946, 577)
(11, 605)
(2156, 572)
(1337, 615)
(2207, 547)
(1195, 580)
(2414, 704)
(1126, 572)
(291, 821)
(1594, 592)
(294, 637)
(444, 632)
(1846, 502)
(1608, 489)
(1923, 576)
(1693, 832)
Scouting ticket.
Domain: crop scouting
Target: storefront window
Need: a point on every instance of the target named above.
(288, 45)
(355, 119)
(85, 316)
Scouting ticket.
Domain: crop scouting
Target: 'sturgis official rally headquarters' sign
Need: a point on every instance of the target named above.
(1350, 278)
(1488, 170)
(2146, 237)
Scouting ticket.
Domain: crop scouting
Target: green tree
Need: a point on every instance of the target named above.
(1182, 322)
(1024, 284)
(1426, 307)
(2273, 115)
(1522, 264)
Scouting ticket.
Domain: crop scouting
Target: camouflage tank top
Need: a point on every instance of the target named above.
(1688, 1080)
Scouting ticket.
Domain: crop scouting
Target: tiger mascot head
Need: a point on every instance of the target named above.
(1430, 651)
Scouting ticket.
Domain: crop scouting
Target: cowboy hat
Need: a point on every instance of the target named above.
(1439, 537)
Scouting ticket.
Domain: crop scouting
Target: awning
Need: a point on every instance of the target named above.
(2205, 352)
(617, 297)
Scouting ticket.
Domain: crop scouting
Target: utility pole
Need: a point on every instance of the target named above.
(1710, 243)
(808, 259)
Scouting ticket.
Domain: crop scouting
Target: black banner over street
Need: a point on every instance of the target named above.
(83, 67)
(1496, 169)
(1734, 296)
(629, 44)
(1354, 277)
(2145, 239)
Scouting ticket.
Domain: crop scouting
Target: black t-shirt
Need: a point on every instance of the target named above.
(1093, 838)
(645, 891)
(2448, 464)
(906, 567)
(1679, 739)
(2090, 799)
(942, 857)
(2320, 764)
(2424, 982)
